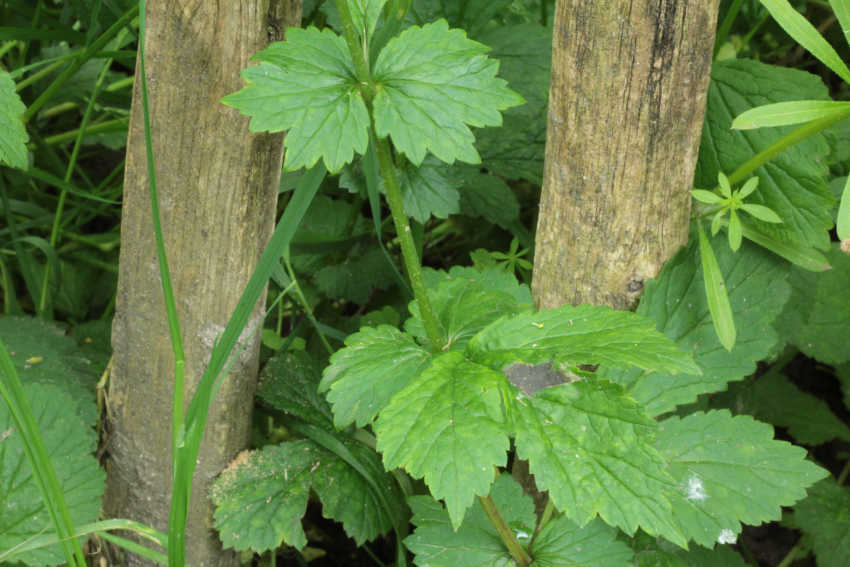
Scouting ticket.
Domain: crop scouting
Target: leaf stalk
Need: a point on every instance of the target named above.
(514, 548)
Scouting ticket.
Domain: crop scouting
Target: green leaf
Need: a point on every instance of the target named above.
(448, 426)
(797, 254)
(761, 213)
(307, 85)
(484, 195)
(791, 184)
(563, 544)
(517, 150)
(841, 8)
(579, 335)
(757, 289)
(825, 515)
(324, 216)
(475, 543)
(431, 83)
(463, 307)
(13, 135)
(842, 372)
(843, 221)
(656, 552)
(491, 279)
(69, 446)
(42, 354)
(706, 196)
(723, 182)
(734, 240)
(785, 113)
(799, 28)
(427, 190)
(808, 419)
(364, 268)
(730, 471)
(748, 188)
(472, 15)
(289, 382)
(375, 365)
(262, 496)
(588, 444)
(365, 13)
(715, 288)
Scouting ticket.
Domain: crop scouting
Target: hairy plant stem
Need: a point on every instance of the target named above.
(408, 248)
(544, 520)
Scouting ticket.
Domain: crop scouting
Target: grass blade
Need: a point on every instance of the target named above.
(786, 113)
(806, 258)
(843, 224)
(715, 289)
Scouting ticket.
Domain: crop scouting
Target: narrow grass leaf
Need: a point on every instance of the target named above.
(715, 289)
(843, 224)
(842, 12)
(786, 113)
(798, 254)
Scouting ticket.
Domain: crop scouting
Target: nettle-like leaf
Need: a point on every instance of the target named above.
(485, 195)
(327, 217)
(578, 335)
(757, 289)
(588, 444)
(729, 471)
(657, 552)
(825, 515)
(307, 85)
(470, 15)
(289, 382)
(13, 135)
(491, 279)
(428, 190)
(82, 481)
(375, 365)
(364, 268)
(432, 83)
(517, 150)
(791, 184)
(262, 496)
(448, 425)
(563, 544)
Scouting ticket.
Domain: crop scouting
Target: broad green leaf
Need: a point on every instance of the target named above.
(798, 27)
(307, 85)
(491, 279)
(785, 113)
(290, 383)
(432, 83)
(563, 544)
(475, 543)
(42, 354)
(798, 254)
(463, 308)
(841, 8)
(730, 471)
(375, 365)
(579, 335)
(715, 287)
(517, 150)
(825, 515)
(354, 278)
(472, 15)
(365, 13)
(69, 446)
(656, 552)
(808, 418)
(428, 190)
(448, 426)
(757, 289)
(843, 221)
(485, 195)
(588, 444)
(262, 496)
(791, 184)
(525, 61)
(13, 135)
(324, 216)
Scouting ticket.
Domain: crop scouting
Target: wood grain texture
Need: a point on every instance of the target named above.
(218, 192)
(627, 99)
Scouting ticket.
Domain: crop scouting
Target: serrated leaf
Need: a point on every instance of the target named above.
(448, 426)
(757, 289)
(13, 135)
(307, 85)
(69, 446)
(472, 15)
(261, 497)
(290, 383)
(475, 543)
(656, 552)
(375, 365)
(785, 113)
(324, 216)
(808, 419)
(715, 287)
(63, 364)
(463, 307)
(432, 83)
(484, 195)
(791, 184)
(825, 515)
(365, 13)
(491, 279)
(427, 190)
(563, 544)
(516, 150)
(588, 444)
(579, 335)
(365, 267)
(730, 471)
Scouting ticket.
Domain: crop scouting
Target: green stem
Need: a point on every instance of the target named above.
(117, 125)
(792, 555)
(843, 476)
(514, 548)
(723, 32)
(544, 520)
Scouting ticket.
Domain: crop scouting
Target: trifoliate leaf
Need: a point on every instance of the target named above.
(428, 190)
(791, 184)
(588, 444)
(475, 543)
(579, 335)
(69, 446)
(525, 61)
(431, 83)
(808, 419)
(463, 307)
(483, 195)
(262, 496)
(290, 383)
(13, 135)
(365, 267)
(307, 85)
(63, 363)
(730, 471)
(448, 426)
(755, 283)
(375, 365)
(563, 544)
(825, 515)
(517, 149)
(491, 279)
